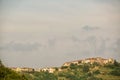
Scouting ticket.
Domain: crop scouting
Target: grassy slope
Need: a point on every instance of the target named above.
(8, 74)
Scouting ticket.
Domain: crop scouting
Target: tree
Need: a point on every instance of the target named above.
(73, 66)
(64, 67)
(85, 68)
(115, 72)
(44, 75)
(56, 69)
(116, 64)
(96, 64)
(96, 72)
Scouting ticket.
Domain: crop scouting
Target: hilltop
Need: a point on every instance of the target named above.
(85, 69)
(98, 60)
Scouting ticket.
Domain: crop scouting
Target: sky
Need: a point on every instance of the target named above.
(46, 33)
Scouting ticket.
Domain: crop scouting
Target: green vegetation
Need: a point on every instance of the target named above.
(8, 74)
(85, 68)
(87, 71)
(115, 72)
(44, 76)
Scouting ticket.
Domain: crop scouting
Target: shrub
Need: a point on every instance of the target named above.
(73, 66)
(96, 72)
(64, 67)
(115, 72)
(85, 68)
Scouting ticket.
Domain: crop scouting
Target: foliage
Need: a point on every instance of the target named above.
(8, 74)
(64, 67)
(71, 77)
(96, 72)
(114, 65)
(73, 66)
(115, 72)
(85, 68)
(44, 76)
(96, 64)
(56, 69)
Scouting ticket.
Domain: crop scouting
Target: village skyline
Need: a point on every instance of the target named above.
(37, 33)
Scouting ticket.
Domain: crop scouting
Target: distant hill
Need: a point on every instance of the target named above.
(85, 69)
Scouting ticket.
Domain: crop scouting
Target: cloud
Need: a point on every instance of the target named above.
(75, 39)
(51, 42)
(116, 46)
(89, 28)
(18, 46)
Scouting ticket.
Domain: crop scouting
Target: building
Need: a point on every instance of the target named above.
(50, 70)
(99, 60)
(17, 69)
(24, 69)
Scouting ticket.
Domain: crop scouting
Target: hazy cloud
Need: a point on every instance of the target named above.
(54, 31)
(20, 46)
(89, 28)
(116, 46)
(51, 42)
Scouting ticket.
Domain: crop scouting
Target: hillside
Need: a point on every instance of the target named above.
(91, 69)
(8, 74)
(85, 69)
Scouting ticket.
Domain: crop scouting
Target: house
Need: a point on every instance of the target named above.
(59, 69)
(50, 70)
(37, 69)
(67, 64)
(17, 69)
(24, 69)
(110, 60)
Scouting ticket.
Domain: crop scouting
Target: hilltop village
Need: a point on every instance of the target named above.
(99, 60)
(85, 69)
